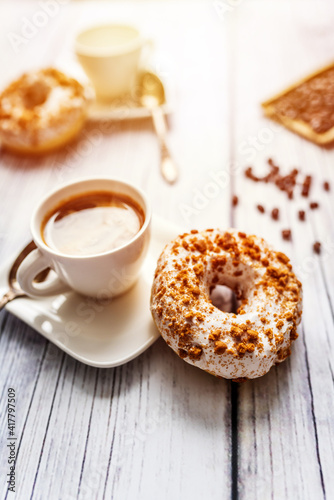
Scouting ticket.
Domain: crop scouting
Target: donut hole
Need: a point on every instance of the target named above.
(224, 298)
(35, 94)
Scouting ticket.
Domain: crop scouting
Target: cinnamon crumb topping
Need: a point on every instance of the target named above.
(263, 282)
(220, 347)
(214, 335)
(282, 257)
(195, 352)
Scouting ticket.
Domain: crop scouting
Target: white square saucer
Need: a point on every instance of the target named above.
(98, 334)
(126, 108)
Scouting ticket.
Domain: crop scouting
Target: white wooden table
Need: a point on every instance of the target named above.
(157, 428)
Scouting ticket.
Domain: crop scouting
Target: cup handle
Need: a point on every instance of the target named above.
(33, 264)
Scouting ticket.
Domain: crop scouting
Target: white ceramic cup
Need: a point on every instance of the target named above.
(111, 56)
(102, 275)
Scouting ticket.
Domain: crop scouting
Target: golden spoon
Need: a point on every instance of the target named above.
(152, 96)
(14, 288)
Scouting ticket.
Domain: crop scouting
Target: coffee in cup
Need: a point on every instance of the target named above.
(92, 223)
(94, 234)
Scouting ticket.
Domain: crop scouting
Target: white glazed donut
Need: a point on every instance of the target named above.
(42, 111)
(235, 346)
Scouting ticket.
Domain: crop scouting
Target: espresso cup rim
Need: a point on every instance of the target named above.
(36, 231)
(83, 49)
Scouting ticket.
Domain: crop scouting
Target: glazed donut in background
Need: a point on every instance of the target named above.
(234, 346)
(42, 111)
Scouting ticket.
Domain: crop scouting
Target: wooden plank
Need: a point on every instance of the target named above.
(25, 348)
(156, 420)
(37, 421)
(285, 440)
(22, 182)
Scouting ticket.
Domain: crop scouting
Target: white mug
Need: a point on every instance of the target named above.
(111, 56)
(102, 275)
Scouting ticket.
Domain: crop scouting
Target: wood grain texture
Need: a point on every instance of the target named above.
(157, 427)
(150, 428)
(286, 418)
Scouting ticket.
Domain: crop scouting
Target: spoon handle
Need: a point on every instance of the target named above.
(168, 167)
(10, 295)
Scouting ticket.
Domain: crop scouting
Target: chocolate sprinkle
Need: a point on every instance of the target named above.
(306, 186)
(275, 213)
(285, 183)
(301, 215)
